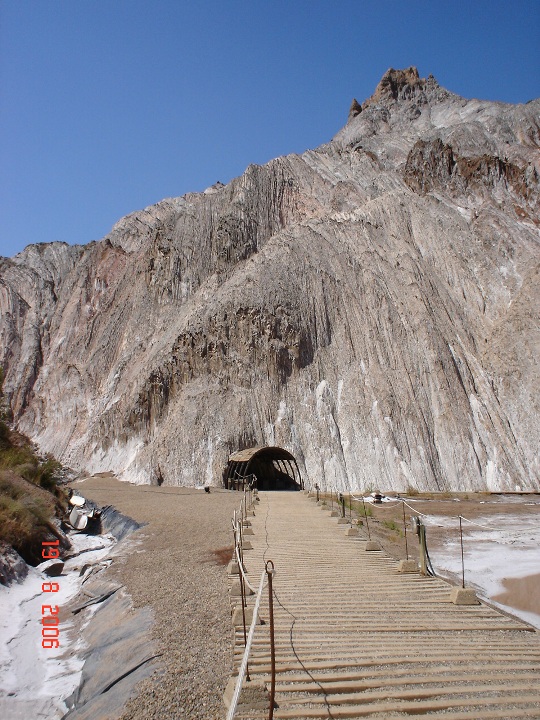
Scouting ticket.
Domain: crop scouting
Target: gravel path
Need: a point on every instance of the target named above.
(175, 570)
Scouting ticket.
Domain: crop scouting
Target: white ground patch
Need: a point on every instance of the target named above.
(34, 682)
(498, 548)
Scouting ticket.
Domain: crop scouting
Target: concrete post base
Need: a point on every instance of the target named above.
(236, 590)
(372, 545)
(342, 521)
(334, 513)
(463, 596)
(237, 617)
(232, 568)
(352, 532)
(408, 566)
(246, 545)
(247, 531)
(253, 694)
(250, 513)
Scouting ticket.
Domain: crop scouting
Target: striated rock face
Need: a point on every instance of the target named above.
(372, 306)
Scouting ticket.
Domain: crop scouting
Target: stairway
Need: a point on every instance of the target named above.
(357, 639)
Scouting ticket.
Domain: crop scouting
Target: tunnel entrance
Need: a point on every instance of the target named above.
(272, 468)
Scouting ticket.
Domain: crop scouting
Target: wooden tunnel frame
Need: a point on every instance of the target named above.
(240, 466)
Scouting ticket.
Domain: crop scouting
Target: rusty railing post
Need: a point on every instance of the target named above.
(272, 642)
(462, 560)
(405, 529)
(244, 603)
(365, 515)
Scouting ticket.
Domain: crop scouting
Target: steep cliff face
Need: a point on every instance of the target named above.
(372, 306)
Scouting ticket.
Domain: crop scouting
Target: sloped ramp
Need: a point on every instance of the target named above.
(357, 639)
(117, 652)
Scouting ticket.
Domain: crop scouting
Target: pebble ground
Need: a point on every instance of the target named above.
(175, 566)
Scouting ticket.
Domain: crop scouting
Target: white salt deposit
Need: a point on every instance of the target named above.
(498, 548)
(34, 681)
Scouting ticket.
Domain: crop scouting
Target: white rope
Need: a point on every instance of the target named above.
(451, 517)
(242, 571)
(238, 535)
(243, 666)
(386, 505)
(415, 510)
(486, 527)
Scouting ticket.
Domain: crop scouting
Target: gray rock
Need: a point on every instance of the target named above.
(53, 568)
(12, 566)
(371, 305)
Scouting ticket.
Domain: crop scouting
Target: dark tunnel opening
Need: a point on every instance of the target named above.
(271, 468)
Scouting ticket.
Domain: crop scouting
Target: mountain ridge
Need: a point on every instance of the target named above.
(371, 305)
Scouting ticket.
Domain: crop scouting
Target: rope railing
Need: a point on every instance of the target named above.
(244, 664)
(242, 571)
(240, 482)
(238, 522)
(426, 566)
(417, 512)
(471, 522)
(419, 527)
(449, 517)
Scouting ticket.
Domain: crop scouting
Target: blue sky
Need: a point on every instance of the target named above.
(107, 106)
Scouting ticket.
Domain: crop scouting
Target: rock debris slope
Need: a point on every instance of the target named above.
(372, 305)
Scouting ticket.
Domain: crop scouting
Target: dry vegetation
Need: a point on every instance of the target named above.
(29, 495)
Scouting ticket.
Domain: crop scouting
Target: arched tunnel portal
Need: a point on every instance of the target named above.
(273, 467)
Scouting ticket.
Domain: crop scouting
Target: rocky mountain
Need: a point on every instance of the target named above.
(371, 305)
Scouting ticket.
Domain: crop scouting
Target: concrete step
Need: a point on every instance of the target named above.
(354, 638)
(421, 708)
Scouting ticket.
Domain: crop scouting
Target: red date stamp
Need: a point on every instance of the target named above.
(50, 632)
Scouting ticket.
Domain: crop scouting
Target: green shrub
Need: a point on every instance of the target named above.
(21, 518)
(12, 457)
(47, 474)
(10, 490)
(25, 512)
(391, 525)
(24, 462)
(366, 510)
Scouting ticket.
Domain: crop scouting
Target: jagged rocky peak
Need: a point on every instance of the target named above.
(372, 306)
(355, 109)
(396, 84)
